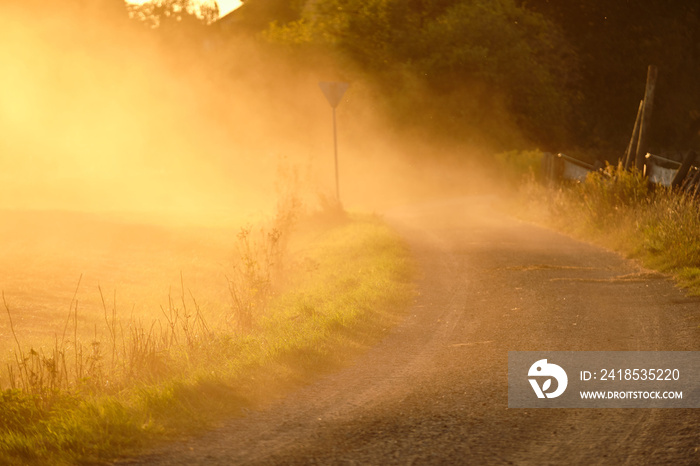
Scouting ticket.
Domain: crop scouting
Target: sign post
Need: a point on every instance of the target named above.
(334, 90)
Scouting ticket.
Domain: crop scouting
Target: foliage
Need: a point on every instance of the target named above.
(490, 46)
(605, 193)
(616, 41)
(571, 72)
(257, 15)
(671, 231)
(170, 14)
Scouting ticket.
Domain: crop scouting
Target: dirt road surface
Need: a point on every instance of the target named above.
(435, 390)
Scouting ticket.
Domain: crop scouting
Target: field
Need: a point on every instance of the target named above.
(51, 261)
(176, 327)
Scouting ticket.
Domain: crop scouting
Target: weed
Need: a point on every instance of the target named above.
(251, 283)
(605, 193)
(619, 208)
(261, 253)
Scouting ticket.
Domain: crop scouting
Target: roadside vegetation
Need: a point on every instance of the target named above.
(618, 209)
(85, 400)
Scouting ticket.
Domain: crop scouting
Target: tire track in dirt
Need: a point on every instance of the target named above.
(434, 391)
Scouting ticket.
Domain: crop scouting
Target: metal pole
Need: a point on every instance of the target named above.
(335, 151)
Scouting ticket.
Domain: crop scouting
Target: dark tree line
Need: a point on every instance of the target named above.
(453, 65)
(615, 42)
(572, 72)
(569, 73)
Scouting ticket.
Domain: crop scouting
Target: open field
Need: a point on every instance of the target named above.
(47, 256)
(350, 279)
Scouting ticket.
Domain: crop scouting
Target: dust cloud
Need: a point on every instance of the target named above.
(98, 116)
(94, 119)
(130, 159)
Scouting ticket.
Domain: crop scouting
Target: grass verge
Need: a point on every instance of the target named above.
(620, 210)
(350, 286)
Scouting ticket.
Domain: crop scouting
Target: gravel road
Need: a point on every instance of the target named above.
(435, 390)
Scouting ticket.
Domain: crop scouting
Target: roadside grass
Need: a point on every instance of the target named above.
(350, 281)
(620, 210)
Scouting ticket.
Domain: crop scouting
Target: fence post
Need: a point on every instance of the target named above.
(647, 108)
(632, 146)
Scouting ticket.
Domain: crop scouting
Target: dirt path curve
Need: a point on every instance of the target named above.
(435, 390)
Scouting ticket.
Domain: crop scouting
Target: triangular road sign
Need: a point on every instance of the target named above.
(333, 90)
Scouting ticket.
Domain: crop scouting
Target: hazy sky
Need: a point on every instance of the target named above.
(226, 6)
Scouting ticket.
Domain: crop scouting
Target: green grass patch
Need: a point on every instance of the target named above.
(348, 287)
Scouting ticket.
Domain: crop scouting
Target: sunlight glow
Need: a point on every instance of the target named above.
(227, 6)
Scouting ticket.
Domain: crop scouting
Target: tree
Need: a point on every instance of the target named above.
(493, 47)
(616, 41)
(256, 15)
(180, 27)
(171, 14)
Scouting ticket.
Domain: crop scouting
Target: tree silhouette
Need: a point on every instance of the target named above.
(175, 14)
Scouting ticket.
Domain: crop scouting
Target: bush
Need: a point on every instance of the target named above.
(496, 49)
(671, 231)
(604, 194)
